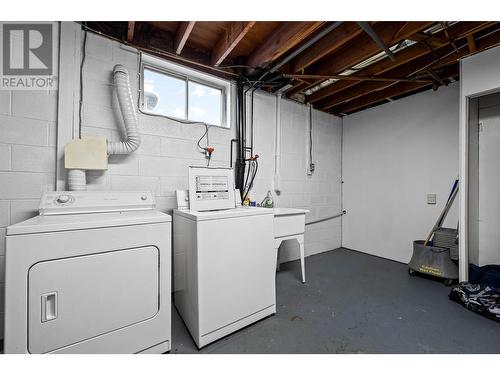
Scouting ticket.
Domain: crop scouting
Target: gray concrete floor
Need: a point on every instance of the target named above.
(355, 303)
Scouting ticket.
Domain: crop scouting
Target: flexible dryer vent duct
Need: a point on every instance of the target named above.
(133, 141)
(91, 153)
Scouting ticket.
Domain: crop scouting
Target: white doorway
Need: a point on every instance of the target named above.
(488, 239)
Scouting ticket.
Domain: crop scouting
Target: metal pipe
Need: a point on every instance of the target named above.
(353, 78)
(277, 146)
(240, 157)
(376, 38)
(306, 45)
(325, 219)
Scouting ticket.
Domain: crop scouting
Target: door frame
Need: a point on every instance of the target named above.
(464, 151)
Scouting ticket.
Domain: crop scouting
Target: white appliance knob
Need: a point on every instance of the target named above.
(63, 198)
(144, 197)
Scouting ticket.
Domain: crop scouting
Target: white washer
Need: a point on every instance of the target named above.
(90, 274)
(224, 270)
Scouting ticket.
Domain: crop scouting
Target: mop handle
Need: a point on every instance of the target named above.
(449, 196)
(442, 216)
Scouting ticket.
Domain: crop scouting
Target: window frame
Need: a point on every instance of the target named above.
(177, 71)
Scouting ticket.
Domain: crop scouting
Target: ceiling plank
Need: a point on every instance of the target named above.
(393, 90)
(286, 36)
(378, 96)
(331, 42)
(408, 54)
(297, 88)
(182, 34)
(357, 90)
(130, 31)
(229, 40)
(456, 31)
(376, 38)
(363, 46)
(472, 43)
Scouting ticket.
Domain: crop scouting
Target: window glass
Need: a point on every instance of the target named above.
(205, 103)
(164, 94)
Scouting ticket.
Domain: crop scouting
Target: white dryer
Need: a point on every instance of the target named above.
(90, 274)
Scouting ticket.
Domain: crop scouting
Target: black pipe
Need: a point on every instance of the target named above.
(240, 126)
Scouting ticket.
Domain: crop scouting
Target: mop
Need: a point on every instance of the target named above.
(434, 260)
(449, 203)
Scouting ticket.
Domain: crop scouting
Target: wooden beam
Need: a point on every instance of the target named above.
(357, 90)
(286, 36)
(378, 96)
(388, 92)
(408, 54)
(472, 43)
(363, 46)
(130, 31)
(297, 88)
(432, 40)
(229, 40)
(331, 42)
(182, 34)
(457, 31)
(353, 77)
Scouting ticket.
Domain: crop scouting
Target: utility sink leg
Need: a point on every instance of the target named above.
(302, 262)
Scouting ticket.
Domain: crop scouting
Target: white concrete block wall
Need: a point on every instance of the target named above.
(27, 160)
(28, 151)
(320, 193)
(168, 148)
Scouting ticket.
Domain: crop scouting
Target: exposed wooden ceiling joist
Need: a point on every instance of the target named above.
(409, 54)
(362, 47)
(285, 37)
(207, 44)
(396, 89)
(472, 43)
(333, 41)
(130, 31)
(229, 40)
(182, 35)
(357, 89)
(488, 41)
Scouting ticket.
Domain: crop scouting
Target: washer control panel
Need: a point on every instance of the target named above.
(71, 202)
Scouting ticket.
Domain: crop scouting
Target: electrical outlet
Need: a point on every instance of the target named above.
(431, 198)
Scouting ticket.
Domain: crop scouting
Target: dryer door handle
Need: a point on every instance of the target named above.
(49, 307)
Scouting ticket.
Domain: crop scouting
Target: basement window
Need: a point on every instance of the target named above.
(184, 94)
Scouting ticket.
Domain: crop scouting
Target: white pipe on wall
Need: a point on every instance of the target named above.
(133, 140)
(277, 146)
(77, 177)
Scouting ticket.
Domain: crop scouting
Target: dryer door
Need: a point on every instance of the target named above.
(78, 298)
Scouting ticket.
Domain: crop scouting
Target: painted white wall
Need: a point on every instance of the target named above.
(160, 165)
(27, 160)
(393, 156)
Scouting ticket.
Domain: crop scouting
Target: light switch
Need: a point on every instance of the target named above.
(431, 198)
